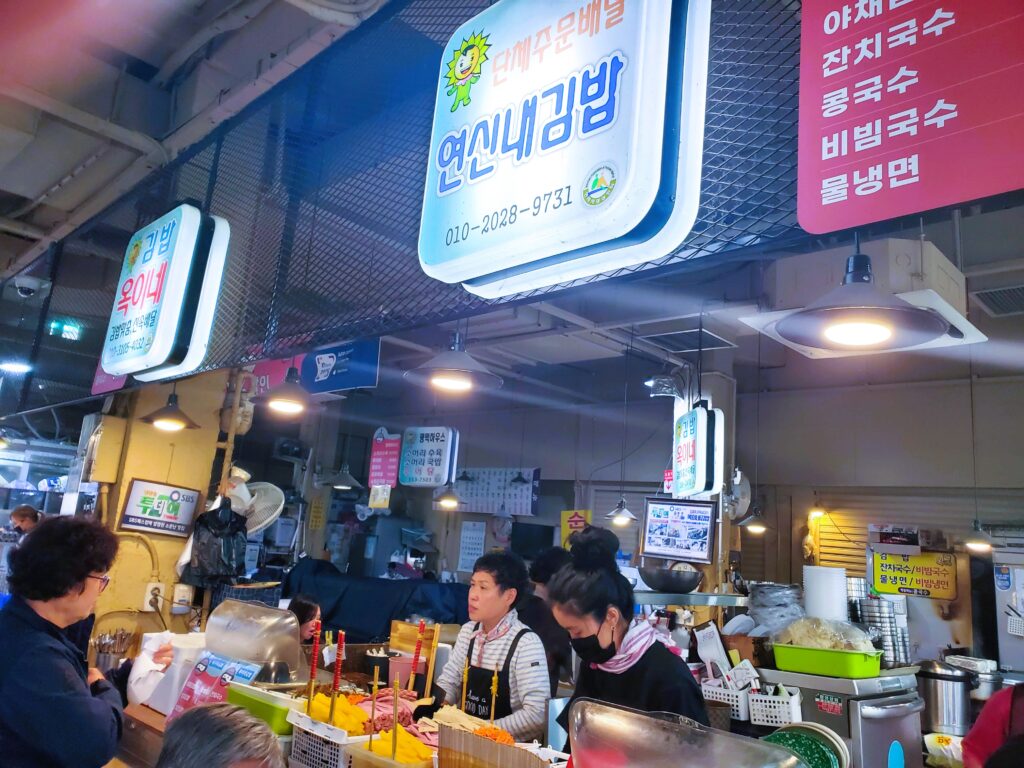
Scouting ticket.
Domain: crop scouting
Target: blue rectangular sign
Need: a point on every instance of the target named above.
(351, 365)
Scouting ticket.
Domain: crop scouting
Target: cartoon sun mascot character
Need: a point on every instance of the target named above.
(464, 68)
(133, 253)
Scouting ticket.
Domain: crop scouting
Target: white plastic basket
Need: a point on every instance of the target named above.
(738, 701)
(316, 744)
(1015, 626)
(775, 710)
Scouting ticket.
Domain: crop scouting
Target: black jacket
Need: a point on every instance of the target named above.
(49, 716)
(659, 682)
(536, 614)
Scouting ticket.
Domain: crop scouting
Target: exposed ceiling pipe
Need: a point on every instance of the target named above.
(70, 176)
(21, 229)
(348, 13)
(136, 140)
(230, 103)
(234, 18)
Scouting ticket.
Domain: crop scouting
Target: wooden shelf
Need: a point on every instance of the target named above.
(691, 598)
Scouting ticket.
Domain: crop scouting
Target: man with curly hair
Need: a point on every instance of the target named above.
(55, 712)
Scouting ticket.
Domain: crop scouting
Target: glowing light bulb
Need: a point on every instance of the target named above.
(451, 382)
(860, 333)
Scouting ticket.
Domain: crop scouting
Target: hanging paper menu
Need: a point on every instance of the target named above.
(488, 488)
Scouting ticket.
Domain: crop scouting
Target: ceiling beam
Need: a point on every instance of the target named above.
(21, 228)
(625, 340)
(140, 142)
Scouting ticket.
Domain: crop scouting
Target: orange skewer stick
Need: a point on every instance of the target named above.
(465, 682)
(494, 691)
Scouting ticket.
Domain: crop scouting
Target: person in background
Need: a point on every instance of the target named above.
(308, 613)
(1000, 722)
(623, 662)
(54, 711)
(535, 613)
(219, 736)
(496, 641)
(1010, 755)
(25, 518)
(549, 562)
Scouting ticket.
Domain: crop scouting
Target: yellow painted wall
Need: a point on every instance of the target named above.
(184, 458)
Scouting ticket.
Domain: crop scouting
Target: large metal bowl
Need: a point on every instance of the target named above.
(666, 580)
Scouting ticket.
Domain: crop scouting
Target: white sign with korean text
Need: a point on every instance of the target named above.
(160, 508)
(567, 141)
(428, 456)
(143, 327)
(205, 305)
(471, 544)
(698, 452)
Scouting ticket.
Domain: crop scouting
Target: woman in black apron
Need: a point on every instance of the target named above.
(481, 683)
(498, 663)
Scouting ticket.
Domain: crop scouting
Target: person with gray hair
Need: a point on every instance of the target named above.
(219, 736)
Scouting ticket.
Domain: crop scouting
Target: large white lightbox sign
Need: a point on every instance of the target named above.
(564, 149)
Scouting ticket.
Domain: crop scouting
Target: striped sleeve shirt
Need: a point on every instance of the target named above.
(528, 676)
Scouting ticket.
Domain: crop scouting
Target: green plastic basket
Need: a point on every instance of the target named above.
(817, 661)
(272, 708)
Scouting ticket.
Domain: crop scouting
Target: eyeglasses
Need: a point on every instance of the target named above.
(103, 580)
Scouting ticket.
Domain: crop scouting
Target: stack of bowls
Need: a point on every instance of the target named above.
(856, 590)
(881, 615)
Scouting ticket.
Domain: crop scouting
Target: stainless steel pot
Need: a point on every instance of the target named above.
(989, 683)
(946, 691)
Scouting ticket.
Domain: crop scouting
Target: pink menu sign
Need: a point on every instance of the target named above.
(385, 456)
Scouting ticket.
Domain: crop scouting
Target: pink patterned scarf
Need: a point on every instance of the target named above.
(638, 640)
(500, 630)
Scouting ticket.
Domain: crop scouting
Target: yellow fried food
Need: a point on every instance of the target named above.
(410, 749)
(347, 716)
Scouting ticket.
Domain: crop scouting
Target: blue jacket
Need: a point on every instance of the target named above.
(49, 716)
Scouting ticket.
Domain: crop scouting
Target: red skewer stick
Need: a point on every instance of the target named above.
(416, 654)
(337, 674)
(312, 668)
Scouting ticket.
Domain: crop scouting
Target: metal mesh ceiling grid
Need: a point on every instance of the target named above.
(322, 178)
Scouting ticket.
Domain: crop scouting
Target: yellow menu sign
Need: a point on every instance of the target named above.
(573, 520)
(930, 574)
(317, 513)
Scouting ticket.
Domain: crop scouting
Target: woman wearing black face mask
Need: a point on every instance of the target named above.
(623, 663)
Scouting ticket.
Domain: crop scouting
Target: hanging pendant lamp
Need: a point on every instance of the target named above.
(343, 480)
(857, 316)
(754, 522)
(455, 370)
(449, 499)
(978, 541)
(170, 418)
(288, 398)
(620, 517)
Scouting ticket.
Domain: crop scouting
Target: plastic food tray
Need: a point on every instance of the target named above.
(272, 708)
(738, 701)
(817, 661)
(318, 745)
(775, 711)
(357, 756)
